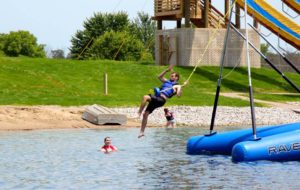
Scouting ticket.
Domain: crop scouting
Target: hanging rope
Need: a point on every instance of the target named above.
(78, 57)
(238, 63)
(117, 5)
(116, 54)
(145, 2)
(210, 41)
(147, 47)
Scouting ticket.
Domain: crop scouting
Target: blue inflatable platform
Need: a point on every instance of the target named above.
(223, 143)
(281, 147)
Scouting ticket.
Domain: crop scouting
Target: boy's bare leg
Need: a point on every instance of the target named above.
(145, 99)
(144, 124)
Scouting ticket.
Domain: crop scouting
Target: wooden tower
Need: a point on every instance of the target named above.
(183, 44)
(200, 13)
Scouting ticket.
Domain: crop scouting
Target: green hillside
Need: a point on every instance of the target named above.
(28, 81)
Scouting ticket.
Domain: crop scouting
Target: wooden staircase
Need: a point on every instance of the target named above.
(215, 17)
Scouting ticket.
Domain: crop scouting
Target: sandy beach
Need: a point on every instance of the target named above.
(46, 117)
(58, 117)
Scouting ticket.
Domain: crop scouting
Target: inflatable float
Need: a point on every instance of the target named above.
(241, 145)
(275, 143)
(281, 147)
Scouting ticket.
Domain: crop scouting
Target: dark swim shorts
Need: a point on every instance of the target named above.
(155, 102)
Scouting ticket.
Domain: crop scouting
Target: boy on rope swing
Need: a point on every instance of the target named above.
(168, 89)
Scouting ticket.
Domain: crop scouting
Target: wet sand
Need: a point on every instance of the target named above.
(58, 117)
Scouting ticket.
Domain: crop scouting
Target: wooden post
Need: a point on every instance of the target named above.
(226, 11)
(105, 87)
(161, 50)
(159, 24)
(255, 23)
(178, 23)
(237, 16)
(206, 12)
(187, 13)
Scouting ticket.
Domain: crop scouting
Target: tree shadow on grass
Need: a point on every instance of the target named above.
(213, 76)
(267, 79)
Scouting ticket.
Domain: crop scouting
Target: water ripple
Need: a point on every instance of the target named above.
(69, 159)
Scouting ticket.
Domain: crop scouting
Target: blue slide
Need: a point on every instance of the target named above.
(274, 20)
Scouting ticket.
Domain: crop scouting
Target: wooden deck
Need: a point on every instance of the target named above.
(101, 115)
(175, 10)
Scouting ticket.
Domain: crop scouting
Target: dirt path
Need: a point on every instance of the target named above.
(286, 106)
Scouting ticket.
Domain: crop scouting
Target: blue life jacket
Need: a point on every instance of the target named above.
(167, 88)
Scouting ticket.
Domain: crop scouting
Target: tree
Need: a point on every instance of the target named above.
(117, 46)
(79, 43)
(144, 29)
(94, 27)
(264, 48)
(58, 54)
(22, 43)
(2, 38)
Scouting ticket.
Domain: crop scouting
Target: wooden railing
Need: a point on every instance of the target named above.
(168, 7)
(215, 17)
(175, 9)
(195, 9)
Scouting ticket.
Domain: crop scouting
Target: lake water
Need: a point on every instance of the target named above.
(69, 159)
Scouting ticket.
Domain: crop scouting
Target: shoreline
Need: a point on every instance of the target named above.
(59, 117)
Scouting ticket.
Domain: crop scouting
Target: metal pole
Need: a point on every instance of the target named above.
(220, 75)
(249, 75)
(283, 56)
(105, 87)
(268, 61)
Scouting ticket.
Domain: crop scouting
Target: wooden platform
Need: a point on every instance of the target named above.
(296, 111)
(101, 115)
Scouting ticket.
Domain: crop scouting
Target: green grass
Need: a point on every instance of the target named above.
(27, 81)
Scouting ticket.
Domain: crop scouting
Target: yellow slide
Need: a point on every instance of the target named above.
(294, 4)
(275, 21)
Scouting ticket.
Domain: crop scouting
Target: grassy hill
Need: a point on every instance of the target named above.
(27, 81)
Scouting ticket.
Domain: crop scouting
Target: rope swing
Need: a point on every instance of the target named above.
(209, 42)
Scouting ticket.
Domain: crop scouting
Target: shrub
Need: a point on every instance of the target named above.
(21, 43)
(117, 46)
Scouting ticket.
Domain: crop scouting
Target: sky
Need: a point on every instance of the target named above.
(54, 22)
